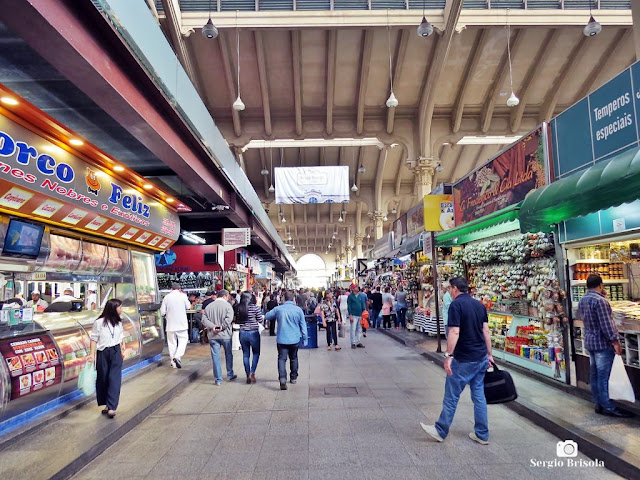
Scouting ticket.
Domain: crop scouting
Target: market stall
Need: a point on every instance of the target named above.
(73, 235)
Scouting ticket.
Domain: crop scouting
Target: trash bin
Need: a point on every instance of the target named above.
(312, 332)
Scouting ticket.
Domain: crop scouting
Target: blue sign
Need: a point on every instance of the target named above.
(599, 126)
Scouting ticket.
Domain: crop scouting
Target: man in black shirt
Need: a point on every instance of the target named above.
(376, 307)
(208, 298)
(467, 359)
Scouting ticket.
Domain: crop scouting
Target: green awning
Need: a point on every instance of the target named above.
(604, 185)
(495, 223)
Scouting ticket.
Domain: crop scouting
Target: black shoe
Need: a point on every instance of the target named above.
(617, 413)
(283, 386)
(177, 362)
(293, 381)
(360, 345)
(248, 380)
(598, 409)
(232, 378)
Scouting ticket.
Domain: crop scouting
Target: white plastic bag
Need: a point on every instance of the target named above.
(619, 385)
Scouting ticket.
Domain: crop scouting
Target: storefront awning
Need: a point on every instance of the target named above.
(495, 223)
(411, 245)
(604, 185)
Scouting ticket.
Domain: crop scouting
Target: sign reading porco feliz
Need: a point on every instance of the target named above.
(42, 181)
(598, 126)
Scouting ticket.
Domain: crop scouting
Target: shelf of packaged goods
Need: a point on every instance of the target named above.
(509, 355)
(506, 314)
(592, 261)
(618, 281)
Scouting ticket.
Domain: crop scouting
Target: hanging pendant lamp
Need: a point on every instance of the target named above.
(209, 30)
(592, 28)
(238, 105)
(392, 101)
(513, 100)
(425, 28)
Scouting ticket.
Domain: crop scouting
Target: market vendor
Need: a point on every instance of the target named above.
(37, 300)
(67, 296)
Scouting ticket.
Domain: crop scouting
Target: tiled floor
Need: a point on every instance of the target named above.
(239, 431)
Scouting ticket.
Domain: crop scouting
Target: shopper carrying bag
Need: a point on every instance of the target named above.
(107, 347)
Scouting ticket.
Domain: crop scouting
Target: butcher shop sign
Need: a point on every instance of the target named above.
(40, 180)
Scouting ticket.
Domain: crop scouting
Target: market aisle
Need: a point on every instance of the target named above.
(240, 431)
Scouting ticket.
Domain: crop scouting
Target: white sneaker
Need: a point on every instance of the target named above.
(432, 432)
(172, 364)
(475, 438)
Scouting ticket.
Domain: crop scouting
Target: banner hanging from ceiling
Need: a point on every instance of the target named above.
(312, 184)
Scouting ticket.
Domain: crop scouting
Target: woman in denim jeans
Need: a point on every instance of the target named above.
(248, 316)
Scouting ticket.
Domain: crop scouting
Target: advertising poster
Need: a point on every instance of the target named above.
(312, 184)
(503, 181)
(33, 363)
(399, 231)
(415, 220)
(438, 213)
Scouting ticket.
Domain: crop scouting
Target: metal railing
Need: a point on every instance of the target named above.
(293, 5)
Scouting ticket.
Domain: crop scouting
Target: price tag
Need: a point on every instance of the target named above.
(619, 225)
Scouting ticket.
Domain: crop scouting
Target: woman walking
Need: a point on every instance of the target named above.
(330, 320)
(248, 316)
(387, 307)
(107, 337)
(342, 303)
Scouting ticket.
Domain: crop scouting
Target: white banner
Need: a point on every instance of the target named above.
(312, 184)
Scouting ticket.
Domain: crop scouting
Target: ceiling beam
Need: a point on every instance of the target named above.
(484, 154)
(464, 163)
(467, 77)
(365, 61)
(357, 167)
(544, 52)
(318, 213)
(428, 98)
(332, 38)
(401, 165)
(293, 217)
(229, 78)
(173, 16)
(297, 78)
(304, 213)
(382, 160)
(602, 64)
(499, 78)
(557, 85)
(397, 71)
(264, 81)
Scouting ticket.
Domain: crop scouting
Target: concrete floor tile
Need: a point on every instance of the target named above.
(503, 472)
(391, 473)
(229, 462)
(178, 466)
(333, 473)
(333, 457)
(215, 475)
(280, 474)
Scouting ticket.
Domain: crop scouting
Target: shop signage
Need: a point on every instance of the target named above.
(438, 213)
(33, 363)
(427, 245)
(502, 181)
(188, 258)
(415, 220)
(236, 237)
(598, 126)
(40, 180)
(312, 184)
(362, 267)
(399, 231)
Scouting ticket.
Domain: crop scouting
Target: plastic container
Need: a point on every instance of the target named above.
(312, 332)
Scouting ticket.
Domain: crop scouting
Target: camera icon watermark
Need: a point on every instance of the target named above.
(567, 449)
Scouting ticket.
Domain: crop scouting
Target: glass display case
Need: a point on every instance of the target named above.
(64, 255)
(144, 273)
(94, 258)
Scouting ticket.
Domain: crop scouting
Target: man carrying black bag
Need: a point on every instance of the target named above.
(466, 361)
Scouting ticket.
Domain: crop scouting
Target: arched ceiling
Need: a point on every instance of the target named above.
(326, 75)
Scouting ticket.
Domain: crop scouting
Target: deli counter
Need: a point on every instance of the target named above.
(42, 352)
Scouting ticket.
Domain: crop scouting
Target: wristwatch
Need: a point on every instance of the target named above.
(448, 355)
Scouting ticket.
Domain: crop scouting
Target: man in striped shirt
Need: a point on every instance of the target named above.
(602, 341)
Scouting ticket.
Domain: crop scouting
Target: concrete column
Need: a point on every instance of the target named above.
(358, 239)
(349, 250)
(635, 15)
(379, 223)
(424, 171)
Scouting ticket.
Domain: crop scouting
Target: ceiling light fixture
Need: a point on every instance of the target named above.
(9, 101)
(488, 139)
(439, 168)
(209, 30)
(392, 101)
(361, 169)
(118, 168)
(592, 28)
(147, 186)
(394, 210)
(425, 28)
(238, 105)
(271, 188)
(193, 238)
(512, 101)
(368, 236)
(341, 219)
(314, 142)
(284, 220)
(76, 142)
(169, 199)
(385, 218)
(354, 188)
(264, 172)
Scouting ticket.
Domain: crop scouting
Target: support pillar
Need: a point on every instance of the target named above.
(424, 171)
(358, 240)
(378, 223)
(349, 250)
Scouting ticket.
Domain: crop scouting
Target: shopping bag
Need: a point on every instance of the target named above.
(364, 321)
(87, 379)
(619, 385)
(341, 330)
(499, 386)
(260, 328)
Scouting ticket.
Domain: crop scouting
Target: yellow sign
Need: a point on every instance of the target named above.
(438, 213)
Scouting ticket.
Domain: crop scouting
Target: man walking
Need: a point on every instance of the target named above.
(401, 308)
(602, 341)
(217, 319)
(291, 326)
(376, 308)
(466, 361)
(355, 307)
(174, 307)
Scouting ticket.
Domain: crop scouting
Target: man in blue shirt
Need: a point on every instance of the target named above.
(602, 341)
(291, 326)
(355, 306)
(466, 361)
